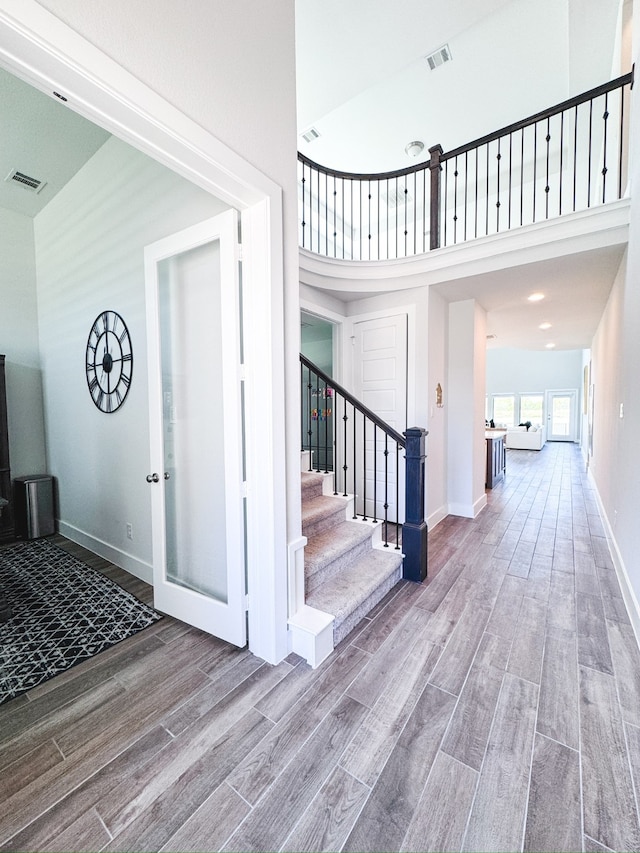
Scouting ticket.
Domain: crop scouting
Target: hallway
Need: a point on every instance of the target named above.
(496, 707)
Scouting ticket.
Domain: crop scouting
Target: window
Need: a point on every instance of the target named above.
(504, 409)
(531, 408)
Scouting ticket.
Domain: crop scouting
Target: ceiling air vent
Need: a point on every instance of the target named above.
(395, 196)
(310, 135)
(439, 57)
(31, 184)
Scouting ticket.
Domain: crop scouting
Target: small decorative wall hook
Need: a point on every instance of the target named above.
(439, 402)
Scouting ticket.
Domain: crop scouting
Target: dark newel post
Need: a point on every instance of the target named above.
(434, 208)
(414, 529)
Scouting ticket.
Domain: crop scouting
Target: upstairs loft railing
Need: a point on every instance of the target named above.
(365, 455)
(564, 159)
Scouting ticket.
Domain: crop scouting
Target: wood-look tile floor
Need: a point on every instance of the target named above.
(496, 707)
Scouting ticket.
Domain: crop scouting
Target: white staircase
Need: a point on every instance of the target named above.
(347, 568)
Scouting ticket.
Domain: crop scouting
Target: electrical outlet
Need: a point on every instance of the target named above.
(129, 530)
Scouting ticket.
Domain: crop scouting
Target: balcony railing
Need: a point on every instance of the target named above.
(567, 158)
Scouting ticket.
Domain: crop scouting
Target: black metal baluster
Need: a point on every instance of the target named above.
(375, 474)
(406, 214)
(476, 208)
(364, 467)
(561, 163)
(620, 153)
(335, 225)
(386, 490)
(326, 214)
(318, 205)
(605, 118)
(466, 191)
(424, 211)
(575, 154)
(302, 419)
(498, 158)
(369, 232)
(486, 212)
(446, 196)
(318, 410)
(535, 166)
(343, 235)
(336, 460)
(355, 462)
(397, 497)
(546, 187)
(309, 411)
(415, 213)
(522, 176)
(326, 427)
(510, 180)
(352, 218)
(455, 201)
(396, 206)
(589, 153)
(345, 467)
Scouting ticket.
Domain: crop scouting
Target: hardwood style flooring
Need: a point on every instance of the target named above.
(495, 707)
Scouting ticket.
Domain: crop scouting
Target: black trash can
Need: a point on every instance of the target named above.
(33, 506)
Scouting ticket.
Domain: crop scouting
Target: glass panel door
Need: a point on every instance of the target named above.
(196, 476)
(561, 407)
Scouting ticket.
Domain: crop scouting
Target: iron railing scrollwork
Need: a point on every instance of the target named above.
(567, 158)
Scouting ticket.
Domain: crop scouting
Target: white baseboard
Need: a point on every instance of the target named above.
(628, 595)
(436, 517)
(469, 510)
(136, 567)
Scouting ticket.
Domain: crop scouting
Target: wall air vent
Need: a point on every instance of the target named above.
(310, 135)
(31, 184)
(439, 57)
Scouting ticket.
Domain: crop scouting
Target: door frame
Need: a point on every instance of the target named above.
(42, 50)
(566, 392)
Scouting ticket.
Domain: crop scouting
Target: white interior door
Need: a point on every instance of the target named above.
(561, 415)
(196, 455)
(380, 382)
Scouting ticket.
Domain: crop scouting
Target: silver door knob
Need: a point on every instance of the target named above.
(166, 475)
(153, 478)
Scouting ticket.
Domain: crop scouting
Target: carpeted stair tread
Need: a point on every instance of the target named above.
(312, 483)
(322, 512)
(352, 593)
(329, 551)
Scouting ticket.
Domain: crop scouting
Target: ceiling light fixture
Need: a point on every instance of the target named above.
(535, 297)
(551, 346)
(544, 326)
(413, 149)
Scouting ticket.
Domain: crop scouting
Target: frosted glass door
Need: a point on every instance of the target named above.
(561, 415)
(197, 504)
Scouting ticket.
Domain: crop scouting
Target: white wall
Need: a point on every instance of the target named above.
(466, 458)
(513, 370)
(438, 417)
(89, 250)
(19, 342)
(615, 356)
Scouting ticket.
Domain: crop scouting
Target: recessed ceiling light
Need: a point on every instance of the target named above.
(550, 346)
(544, 326)
(535, 297)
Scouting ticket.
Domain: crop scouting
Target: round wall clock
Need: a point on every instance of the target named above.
(109, 361)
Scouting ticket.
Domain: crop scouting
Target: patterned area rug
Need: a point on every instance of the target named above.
(63, 612)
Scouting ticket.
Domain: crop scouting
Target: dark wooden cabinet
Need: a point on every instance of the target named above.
(6, 519)
(496, 458)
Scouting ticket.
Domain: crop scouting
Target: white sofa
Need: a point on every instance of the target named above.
(519, 438)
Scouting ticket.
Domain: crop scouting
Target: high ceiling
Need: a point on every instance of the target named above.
(365, 86)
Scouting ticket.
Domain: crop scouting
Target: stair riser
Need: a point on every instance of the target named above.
(343, 627)
(311, 490)
(314, 576)
(310, 528)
